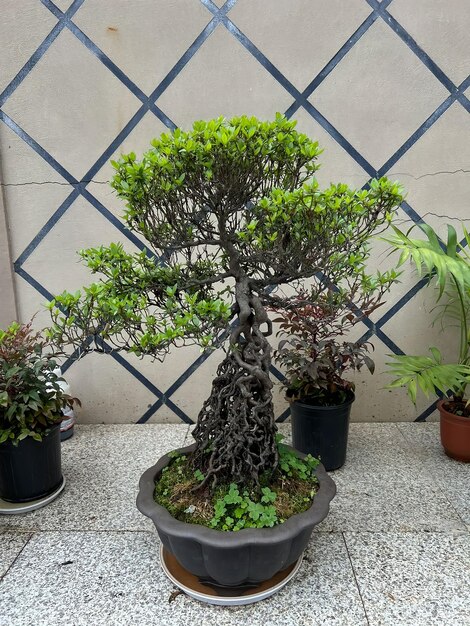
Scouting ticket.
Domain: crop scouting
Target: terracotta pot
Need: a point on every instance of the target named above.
(455, 433)
(251, 555)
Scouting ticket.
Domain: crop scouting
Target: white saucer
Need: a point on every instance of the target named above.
(17, 508)
(212, 597)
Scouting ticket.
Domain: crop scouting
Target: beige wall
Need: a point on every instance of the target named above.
(7, 289)
(68, 103)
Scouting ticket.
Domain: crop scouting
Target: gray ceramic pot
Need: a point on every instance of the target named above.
(234, 558)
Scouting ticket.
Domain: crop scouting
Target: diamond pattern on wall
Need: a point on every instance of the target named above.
(16, 50)
(137, 141)
(143, 42)
(445, 152)
(63, 5)
(379, 67)
(219, 80)
(442, 29)
(156, 63)
(283, 32)
(422, 312)
(33, 204)
(175, 366)
(336, 164)
(81, 226)
(103, 375)
(56, 101)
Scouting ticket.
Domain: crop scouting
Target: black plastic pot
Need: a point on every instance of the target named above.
(229, 559)
(322, 431)
(32, 469)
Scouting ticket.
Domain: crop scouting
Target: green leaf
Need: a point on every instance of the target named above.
(451, 241)
(436, 354)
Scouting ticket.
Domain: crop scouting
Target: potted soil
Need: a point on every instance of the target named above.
(230, 210)
(449, 268)
(315, 355)
(31, 403)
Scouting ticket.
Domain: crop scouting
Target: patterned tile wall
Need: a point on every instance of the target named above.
(384, 87)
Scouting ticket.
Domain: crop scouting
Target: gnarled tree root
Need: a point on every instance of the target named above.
(235, 433)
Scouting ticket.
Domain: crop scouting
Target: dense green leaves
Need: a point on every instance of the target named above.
(307, 213)
(291, 465)
(196, 161)
(429, 374)
(238, 508)
(444, 263)
(226, 198)
(141, 303)
(31, 398)
(449, 267)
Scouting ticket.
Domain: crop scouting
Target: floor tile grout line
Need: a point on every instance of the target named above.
(397, 426)
(452, 506)
(441, 490)
(419, 449)
(355, 578)
(30, 533)
(412, 446)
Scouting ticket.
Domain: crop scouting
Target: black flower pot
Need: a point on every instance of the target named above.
(322, 431)
(230, 559)
(32, 469)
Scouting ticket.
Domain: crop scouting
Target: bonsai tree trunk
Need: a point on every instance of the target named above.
(235, 432)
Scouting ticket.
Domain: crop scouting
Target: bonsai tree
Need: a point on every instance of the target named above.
(449, 268)
(231, 211)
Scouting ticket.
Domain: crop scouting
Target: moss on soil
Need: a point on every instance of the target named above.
(177, 489)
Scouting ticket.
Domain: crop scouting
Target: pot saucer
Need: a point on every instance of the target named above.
(192, 586)
(17, 508)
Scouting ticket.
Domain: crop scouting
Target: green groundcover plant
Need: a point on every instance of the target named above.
(287, 491)
(448, 267)
(31, 399)
(231, 211)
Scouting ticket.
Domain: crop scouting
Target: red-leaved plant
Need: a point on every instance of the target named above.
(314, 353)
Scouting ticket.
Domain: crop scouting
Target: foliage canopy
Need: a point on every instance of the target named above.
(230, 210)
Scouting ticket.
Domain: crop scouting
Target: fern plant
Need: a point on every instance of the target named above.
(449, 267)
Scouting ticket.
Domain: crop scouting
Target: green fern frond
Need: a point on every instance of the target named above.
(429, 374)
(430, 259)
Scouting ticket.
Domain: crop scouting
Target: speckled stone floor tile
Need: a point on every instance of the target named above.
(11, 545)
(422, 435)
(373, 446)
(413, 579)
(402, 505)
(102, 465)
(391, 507)
(114, 579)
(452, 477)
(385, 485)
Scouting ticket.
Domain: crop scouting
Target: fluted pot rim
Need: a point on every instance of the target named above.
(294, 525)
